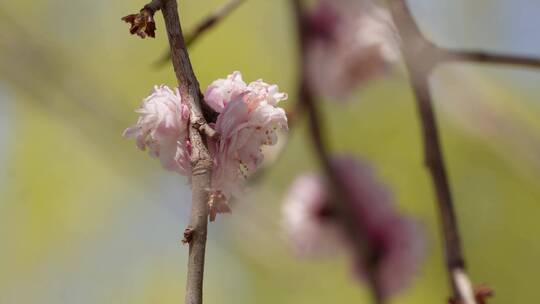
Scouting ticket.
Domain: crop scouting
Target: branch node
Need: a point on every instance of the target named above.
(205, 128)
(188, 235)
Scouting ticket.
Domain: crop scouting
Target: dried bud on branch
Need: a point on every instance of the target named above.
(142, 23)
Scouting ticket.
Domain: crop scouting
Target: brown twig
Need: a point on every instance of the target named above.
(200, 158)
(490, 58)
(364, 250)
(153, 6)
(201, 161)
(204, 25)
(420, 57)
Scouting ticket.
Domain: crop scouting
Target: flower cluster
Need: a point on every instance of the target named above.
(248, 119)
(351, 41)
(163, 129)
(316, 227)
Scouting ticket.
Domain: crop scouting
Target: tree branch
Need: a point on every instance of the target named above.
(200, 157)
(490, 58)
(364, 250)
(153, 6)
(201, 161)
(211, 20)
(420, 57)
(204, 25)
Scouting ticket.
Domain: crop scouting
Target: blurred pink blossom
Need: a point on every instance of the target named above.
(308, 220)
(162, 128)
(351, 42)
(314, 225)
(249, 120)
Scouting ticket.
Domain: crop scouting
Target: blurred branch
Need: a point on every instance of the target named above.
(204, 25)
(421, 56)
(308, 104)
(484, 57)
(211, 20)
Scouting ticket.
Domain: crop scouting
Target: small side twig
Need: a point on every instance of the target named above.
(211, 20)
(204, 25)
(490, 58)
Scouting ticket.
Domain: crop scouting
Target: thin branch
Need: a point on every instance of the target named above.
(416, 42)
(490, 58)
(153, 6)
(200, 157)
(211, 20)
(308, 104)
(420, 57)
(204, 25)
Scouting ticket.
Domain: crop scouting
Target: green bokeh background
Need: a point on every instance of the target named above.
(86, 218)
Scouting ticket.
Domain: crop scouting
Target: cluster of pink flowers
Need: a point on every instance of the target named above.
(351, 41)
(315, 227)
(248, 119)
(163, 129)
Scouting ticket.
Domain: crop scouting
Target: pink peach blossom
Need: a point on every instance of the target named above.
(307, 219)
(220, 92)
(313, 224)
(243, 131)
(163, 129)
(351, 42)
(249, 120)
(260, 91)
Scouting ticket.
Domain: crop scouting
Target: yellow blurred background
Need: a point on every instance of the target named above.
(86, 218)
